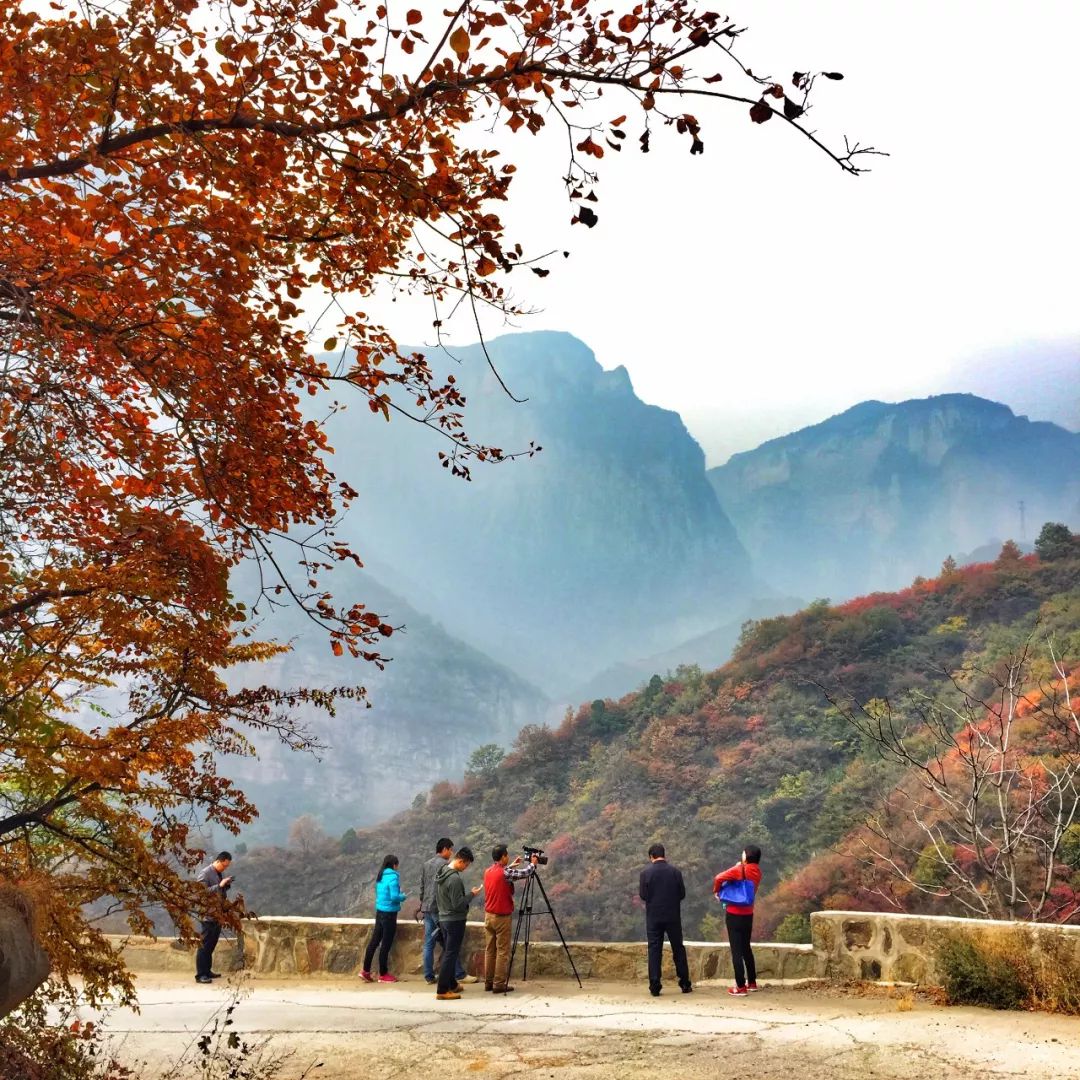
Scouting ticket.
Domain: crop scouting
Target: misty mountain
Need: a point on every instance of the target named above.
(707, 651)
(436, 702)
(881, 493)
(609, 543)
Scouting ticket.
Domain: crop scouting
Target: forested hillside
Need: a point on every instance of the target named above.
(707, 761)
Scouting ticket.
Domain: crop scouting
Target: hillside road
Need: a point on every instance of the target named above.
(553, 1029)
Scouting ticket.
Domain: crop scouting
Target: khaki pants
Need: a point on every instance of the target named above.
(497, 954)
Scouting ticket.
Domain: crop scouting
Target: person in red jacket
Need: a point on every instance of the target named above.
(499, 881)
(743, 878)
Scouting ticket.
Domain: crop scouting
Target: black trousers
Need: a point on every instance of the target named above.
(739, 928)
(204, 955)
(382, 938)
(453, 936)
(654, 935)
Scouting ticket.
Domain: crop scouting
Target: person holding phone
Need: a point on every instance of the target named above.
(215, 879)
(453, 900)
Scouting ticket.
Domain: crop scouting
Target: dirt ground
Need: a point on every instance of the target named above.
(335, 1030)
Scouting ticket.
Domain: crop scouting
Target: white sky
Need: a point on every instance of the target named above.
(756, 288)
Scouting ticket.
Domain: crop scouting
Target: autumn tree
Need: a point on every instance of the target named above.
(1009, 555)
(177, 179)
(989, 802)
(307, 835)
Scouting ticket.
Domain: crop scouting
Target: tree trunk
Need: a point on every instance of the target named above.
(24, 965)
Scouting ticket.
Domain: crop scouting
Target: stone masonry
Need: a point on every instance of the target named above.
(846, 945)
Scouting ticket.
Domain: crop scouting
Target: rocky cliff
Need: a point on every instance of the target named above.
(881, 493)
(609, 543)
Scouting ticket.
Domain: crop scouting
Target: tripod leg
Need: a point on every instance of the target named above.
(558, 929)
(528, 929)
(524, 905)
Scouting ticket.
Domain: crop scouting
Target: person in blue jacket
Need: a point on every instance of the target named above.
(388, 901)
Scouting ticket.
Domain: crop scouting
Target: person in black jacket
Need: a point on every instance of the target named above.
(661, 887)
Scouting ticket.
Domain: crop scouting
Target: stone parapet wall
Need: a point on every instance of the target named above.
(846, 945)
(905, 948)
(279, 946)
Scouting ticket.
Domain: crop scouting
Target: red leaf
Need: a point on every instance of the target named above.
(760, 111)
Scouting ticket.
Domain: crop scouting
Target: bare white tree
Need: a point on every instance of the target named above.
(990, 791)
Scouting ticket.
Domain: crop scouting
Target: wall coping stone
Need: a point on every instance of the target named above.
(941, 920)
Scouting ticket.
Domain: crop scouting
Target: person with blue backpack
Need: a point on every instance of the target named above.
(736, 889)
(388, 901)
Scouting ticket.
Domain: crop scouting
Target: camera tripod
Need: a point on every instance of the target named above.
(526, 912)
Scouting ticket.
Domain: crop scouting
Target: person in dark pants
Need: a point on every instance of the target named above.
(429, 910)
(388, 901)
(661, 887)
(740, 883)
(213, 877)
(453, 900)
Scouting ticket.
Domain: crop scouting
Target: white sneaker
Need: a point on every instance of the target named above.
(468, 979)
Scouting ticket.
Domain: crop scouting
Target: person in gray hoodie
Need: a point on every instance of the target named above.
(429, 910)
(453, 900)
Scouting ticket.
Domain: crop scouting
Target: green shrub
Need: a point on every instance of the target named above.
(975, 975)
(1006, 971)
(794, 929)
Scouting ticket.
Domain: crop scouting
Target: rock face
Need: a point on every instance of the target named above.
(871, 498)
(24, 966)
(608, 544)
(431, 707)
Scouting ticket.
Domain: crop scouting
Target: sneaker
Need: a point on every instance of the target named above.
(450, 995)
(430, 980)
(752, 988)
(468, 979)
(687, 989)
(367, 976)
(388, 978)
(203, 979)
(737, 991)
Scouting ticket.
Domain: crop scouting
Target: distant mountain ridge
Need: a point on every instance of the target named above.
(878, 494)
(609, 543)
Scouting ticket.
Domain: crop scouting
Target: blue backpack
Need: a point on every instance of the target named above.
(739, 892)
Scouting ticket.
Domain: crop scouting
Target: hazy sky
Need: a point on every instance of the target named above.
(756, 288)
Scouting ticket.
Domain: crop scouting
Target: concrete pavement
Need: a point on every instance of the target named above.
(553, 1029)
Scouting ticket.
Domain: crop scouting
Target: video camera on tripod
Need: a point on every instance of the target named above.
(541, 858)
(529, 908)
